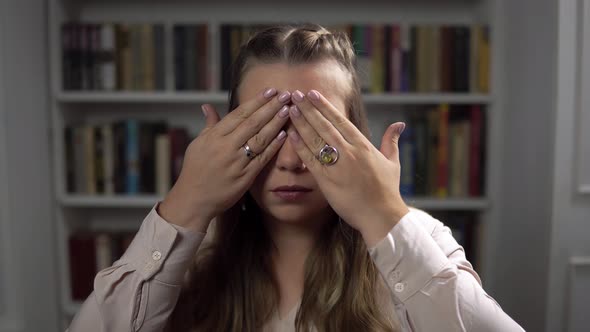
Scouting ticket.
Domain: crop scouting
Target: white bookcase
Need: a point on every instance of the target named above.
(182, 108)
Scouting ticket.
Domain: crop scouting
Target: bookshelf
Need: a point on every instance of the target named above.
(76, 211)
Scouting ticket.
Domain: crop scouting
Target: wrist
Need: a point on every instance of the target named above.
(378, 227)
(179, 210)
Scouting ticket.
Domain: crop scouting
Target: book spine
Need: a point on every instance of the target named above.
(447, 63)
(476, 119)
(484, 59)
(120, 157)
(190, 57)
(103, 251)
(473, 56)
(443, 152)
(179, 57)
(407, 158)
(70, 171)
(132, 157)
(148, 57)
(107, 64)
(406, 62)
(89, 162)
(82, 259)
(159, 57)
(98, 160)
(108, 158)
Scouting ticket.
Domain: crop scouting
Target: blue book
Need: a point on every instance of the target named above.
(407, 157)
(132, 178)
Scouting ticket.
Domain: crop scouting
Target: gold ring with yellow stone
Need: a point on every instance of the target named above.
(328, 155)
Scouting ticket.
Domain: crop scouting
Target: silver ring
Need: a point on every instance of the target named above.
(249, 153)
(328, 155)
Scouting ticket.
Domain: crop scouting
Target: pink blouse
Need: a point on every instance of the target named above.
(430, 284)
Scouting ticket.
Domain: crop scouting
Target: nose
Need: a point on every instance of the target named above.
(287, 158)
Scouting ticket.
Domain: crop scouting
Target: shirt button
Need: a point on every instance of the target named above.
(148, 267)
(399, 287)
(156, 255)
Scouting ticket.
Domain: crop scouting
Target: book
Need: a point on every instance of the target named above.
(443, 152)
(132, 157)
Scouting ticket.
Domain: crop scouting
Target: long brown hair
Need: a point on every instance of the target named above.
(231, 286)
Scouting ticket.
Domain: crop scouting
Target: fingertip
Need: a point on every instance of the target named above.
(400, 128)
(204, 109)
(313, 95)
(294, 136)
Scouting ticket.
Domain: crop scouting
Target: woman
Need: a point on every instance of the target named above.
(311, 230)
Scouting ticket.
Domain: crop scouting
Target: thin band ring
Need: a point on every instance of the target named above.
(249, 153)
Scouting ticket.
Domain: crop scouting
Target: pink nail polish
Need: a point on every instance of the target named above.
(295, 111)
(401, 128)
(270, 92)
(284, 112)
(281, 135)
(314, 95)
(284, 96)
(294, 136)
(298, 95)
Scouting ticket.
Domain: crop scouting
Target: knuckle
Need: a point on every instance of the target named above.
(318, 142)
(259, 141)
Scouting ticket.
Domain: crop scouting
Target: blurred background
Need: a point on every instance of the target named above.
(98, 100)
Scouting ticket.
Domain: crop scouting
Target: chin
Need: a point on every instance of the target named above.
(296, 213)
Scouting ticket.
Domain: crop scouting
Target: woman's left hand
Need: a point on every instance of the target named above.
(362, 186)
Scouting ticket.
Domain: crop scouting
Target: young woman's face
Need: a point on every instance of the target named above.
(286, 169)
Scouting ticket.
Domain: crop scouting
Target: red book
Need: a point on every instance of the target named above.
(82, 253)
(476, 123)
(442, 183)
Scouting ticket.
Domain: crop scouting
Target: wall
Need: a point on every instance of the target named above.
(27, 215)
(570, 219)
(527, 157)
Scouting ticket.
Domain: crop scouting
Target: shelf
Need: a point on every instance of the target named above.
(464, 204)
(147, 201)
(221, 97)
(95, 201)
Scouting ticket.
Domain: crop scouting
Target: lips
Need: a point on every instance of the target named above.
(291, 189)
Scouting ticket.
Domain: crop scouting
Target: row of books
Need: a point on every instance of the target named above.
(133, 57)
(401, 57)
(390, 58)
(442, 152)
(125, 157)
(91, 252)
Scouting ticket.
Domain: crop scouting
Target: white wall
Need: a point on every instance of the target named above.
(527, 157)
(570, 219)
(28, 270)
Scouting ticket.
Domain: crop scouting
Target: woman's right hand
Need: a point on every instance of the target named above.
(216, 171)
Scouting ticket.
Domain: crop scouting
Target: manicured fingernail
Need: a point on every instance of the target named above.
(401, 128)
(314, 95)
(270, 92)
(281, 135)
(298, 95)
(284, 96)
(295, 111)
(284, 112)
(294, 136)
(204, 110)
